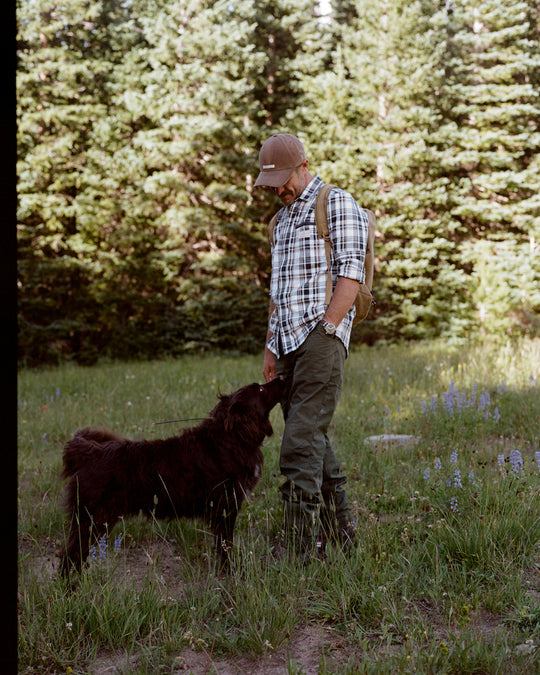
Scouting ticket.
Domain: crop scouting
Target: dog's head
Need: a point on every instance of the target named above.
(246, 410)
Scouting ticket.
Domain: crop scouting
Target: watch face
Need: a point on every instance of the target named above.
(329, 327)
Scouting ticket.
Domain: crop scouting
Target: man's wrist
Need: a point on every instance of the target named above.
(329, 327)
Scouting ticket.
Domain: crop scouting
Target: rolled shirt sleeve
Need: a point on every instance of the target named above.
(348, 228)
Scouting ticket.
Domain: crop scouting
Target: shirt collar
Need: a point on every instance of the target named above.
(310, 190)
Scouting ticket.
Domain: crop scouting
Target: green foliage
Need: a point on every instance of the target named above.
(139, 124)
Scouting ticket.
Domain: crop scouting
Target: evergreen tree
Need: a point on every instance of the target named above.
(66, 54)
(158, 238)
(478, 132)
(139, 125)
(493, 117)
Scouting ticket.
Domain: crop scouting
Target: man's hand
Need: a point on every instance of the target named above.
(269, 365)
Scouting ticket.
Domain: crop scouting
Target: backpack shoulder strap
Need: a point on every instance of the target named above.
(321, 220)
(369, 261)
(271, 226)
(321, 204)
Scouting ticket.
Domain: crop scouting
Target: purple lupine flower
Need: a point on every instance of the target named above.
(516, 460)
(454, 505)
(472, 479)
(502, 388)
(99, 551)
(426, 474)
(500, 462)
(457, 479)
(453, 457)
(482, 403)
(537, 457)
(496, 414)
(438, 464)
(118, 542)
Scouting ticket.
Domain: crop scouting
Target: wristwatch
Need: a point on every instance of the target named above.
(329, 328)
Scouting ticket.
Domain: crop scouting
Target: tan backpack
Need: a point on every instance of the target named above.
(364, 299)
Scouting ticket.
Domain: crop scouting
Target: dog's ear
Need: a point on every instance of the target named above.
(237, 412)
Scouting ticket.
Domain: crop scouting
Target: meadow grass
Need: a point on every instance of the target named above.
(446, 574)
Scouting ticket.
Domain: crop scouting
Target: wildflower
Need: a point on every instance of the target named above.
(472, 479)
(496, 414)
(454, 505)
(99, 551)
(453, 457)
(118, 542)
(500, 462)
(438, 464)
(537, 456)
(457, 479)
(426, 474)
(57, 392)
(516, 460)
(484, 401)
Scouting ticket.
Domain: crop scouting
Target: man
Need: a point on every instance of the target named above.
(308, 340)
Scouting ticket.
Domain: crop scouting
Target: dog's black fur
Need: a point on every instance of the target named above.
(205, 472)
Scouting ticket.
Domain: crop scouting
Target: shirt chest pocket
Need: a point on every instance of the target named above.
(304, 233)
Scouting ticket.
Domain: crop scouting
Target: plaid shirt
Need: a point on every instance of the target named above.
(300, 269)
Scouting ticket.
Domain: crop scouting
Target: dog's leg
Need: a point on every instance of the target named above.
(223, 516)
(84, 530)
(78, 545)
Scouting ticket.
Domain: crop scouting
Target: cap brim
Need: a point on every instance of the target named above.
(273, 178)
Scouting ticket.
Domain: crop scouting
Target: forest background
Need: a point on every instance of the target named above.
(139, 124)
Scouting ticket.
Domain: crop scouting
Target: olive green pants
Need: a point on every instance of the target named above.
(313, 491)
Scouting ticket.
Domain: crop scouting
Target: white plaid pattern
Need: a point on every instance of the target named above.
(299, 267)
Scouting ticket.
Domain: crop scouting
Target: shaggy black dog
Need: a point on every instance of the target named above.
(205, 472)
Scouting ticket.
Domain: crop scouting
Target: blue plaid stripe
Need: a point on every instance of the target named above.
(299, 267)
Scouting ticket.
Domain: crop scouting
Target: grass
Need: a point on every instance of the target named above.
(446, 574)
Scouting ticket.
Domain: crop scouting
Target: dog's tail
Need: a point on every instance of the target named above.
(84, 447)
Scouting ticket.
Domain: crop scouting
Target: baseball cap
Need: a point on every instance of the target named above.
(280, 155)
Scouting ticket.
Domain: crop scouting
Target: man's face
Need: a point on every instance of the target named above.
(294, 187)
